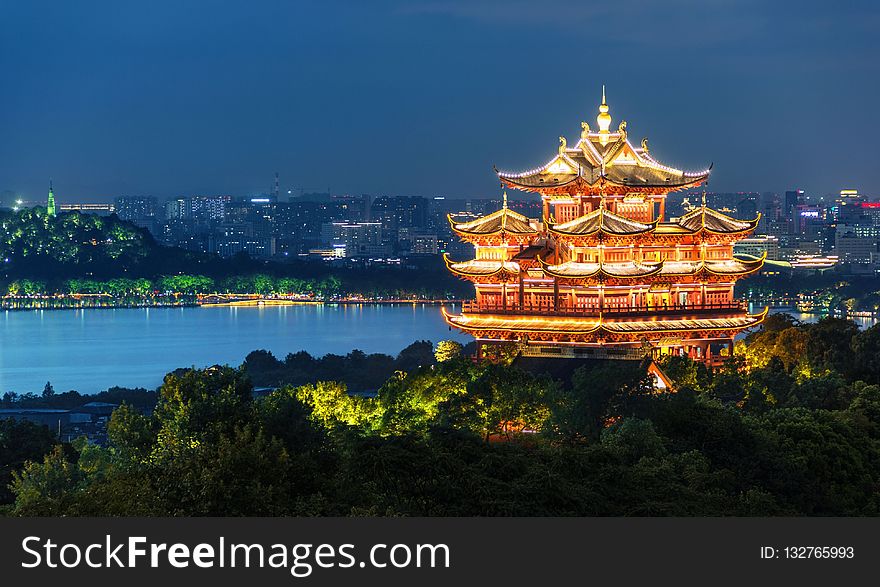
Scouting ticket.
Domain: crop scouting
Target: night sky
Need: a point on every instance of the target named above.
(422, 98)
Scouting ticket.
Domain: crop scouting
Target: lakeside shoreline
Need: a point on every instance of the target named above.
(108, 303)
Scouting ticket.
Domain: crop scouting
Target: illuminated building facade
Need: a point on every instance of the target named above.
(99, 209)
(603, 272)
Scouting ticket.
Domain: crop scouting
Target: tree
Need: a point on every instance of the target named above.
(46, 488)
(20, 442)
(579, 412)
(196, 406)
(262, 367)
(332, 407)
(499, 400)
(48, 390)
(830, 345)
(447, 350)
(418, 354)
(866, 350)
(132, 436)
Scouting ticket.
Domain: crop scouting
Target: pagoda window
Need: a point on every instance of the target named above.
(638, 211)
(717, 297)
(616, 300)
(491, 300)
(586, 256)
(542, 301)
(492, 253)
(585, 302)
(566, 212)
(651, 256)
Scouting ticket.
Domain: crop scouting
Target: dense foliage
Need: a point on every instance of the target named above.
(74, 253)
(140, 398)
(357, 370)
(790, 427)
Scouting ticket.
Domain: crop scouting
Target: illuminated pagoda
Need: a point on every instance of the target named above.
(50, 201)
(603, 273)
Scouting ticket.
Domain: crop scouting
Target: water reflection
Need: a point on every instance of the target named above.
(90, 350)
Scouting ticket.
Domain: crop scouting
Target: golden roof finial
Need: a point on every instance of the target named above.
(704, 198)
(603, 120)
(504, 200)
(645, 145)
(563, 144)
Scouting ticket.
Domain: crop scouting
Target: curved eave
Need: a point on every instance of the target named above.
(653, 271)
(533, 183)
(476, 233)
(752, 224)
(677, 184)
(603, 230)
(519, 183)
(535, 325)
(450, 319)
(750, 266)
(450, 265)
(553, 230)
(693, 270)
(599, 271)
(545, 267)
(753, 320)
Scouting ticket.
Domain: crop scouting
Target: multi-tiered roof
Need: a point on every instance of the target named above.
(602, 266)
(602, 160)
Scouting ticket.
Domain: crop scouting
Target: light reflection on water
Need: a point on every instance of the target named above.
(90, 350)
(810, 318)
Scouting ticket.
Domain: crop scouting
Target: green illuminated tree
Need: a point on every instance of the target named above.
(447, 350)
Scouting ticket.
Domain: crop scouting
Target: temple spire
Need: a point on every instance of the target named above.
(603, 119)
(504, 200)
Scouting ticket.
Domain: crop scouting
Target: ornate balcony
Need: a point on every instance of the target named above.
(471, 307)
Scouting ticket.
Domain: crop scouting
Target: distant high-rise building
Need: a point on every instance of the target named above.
(757, 246)
(857, 244)
(136, 208)
(399, 212)
(848, 206)
(361, 239)
(177, 209)
(139, 210)
(789, 206)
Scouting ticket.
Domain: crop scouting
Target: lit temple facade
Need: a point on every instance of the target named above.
(603, 273)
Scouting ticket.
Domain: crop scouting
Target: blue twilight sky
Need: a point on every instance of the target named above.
(422, 97)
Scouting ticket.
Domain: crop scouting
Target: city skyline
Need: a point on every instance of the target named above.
(110, 100)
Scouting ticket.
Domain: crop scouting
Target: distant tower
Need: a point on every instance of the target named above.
(50, 203)
(277, 189)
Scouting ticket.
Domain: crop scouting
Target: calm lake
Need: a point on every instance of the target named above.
(91, 350)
